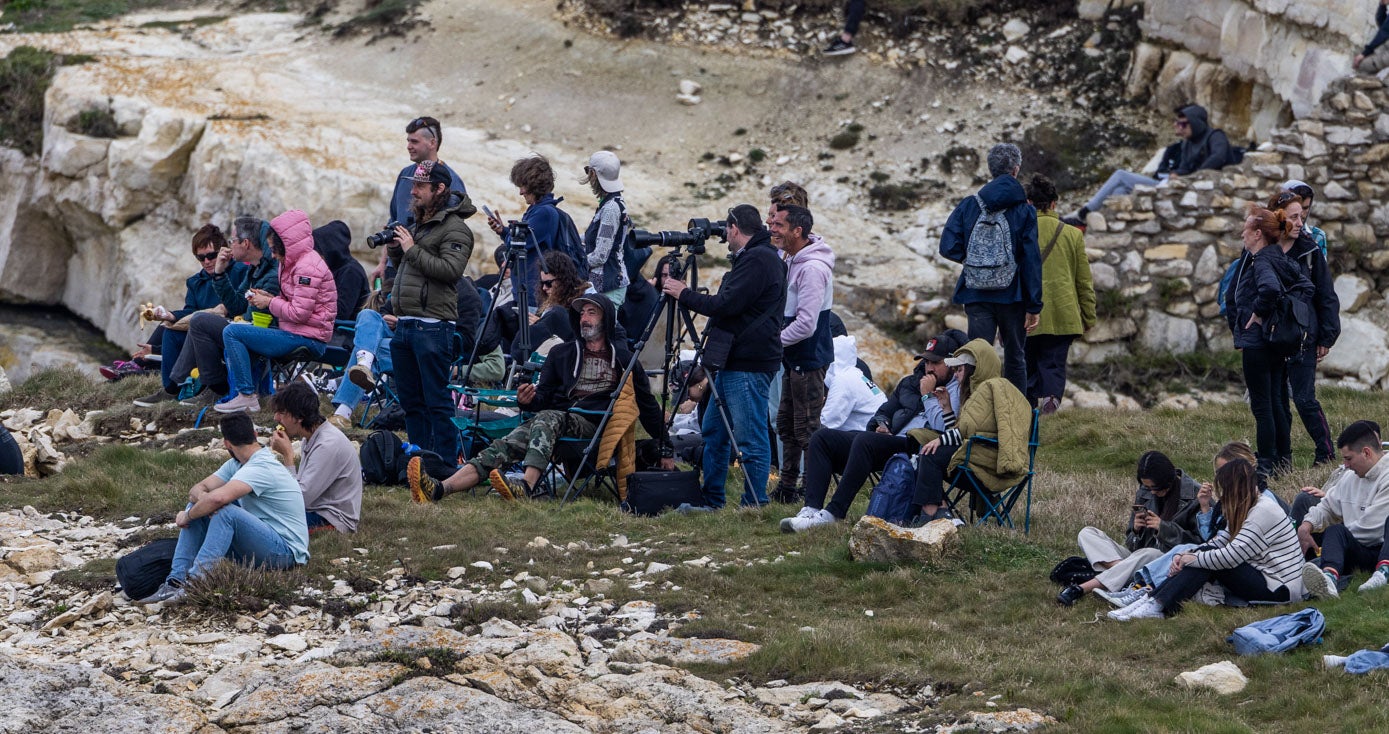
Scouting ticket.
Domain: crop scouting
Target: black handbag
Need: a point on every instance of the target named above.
(1288, 329)
(718, 343)
(650, 493)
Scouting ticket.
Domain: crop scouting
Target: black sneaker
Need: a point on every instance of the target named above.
(788, 495)
(839, 47)
(1070, 595)
(155, 398)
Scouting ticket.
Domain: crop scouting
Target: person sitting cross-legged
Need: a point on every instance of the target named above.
(330, 472)
(582, 372)
(1353, 516)
(250, 511)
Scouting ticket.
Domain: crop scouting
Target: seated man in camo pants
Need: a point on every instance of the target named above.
(583, 373)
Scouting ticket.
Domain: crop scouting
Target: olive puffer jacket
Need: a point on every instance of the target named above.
(427, 274)
(995, 409)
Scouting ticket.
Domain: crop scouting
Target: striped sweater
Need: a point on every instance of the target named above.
(1267, 541)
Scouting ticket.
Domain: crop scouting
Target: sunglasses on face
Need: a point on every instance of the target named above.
(546, 283)
(207, 257)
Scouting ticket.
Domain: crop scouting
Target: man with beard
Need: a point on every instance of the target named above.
(423, 137)
(429, 258)
(580, 373)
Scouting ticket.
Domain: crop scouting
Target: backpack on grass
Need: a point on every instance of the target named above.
(141, 571)
(989, 261)
(383, 458)
(892, 497)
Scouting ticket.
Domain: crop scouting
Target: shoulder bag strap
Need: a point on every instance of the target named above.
(1054, 237)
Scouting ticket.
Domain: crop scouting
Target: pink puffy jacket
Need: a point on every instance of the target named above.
(308, 298)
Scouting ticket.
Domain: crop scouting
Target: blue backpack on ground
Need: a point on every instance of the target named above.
(892, 498)
(1279, 634)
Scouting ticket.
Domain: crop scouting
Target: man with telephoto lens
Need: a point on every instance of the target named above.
(746, 311)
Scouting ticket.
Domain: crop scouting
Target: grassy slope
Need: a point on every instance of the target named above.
(985, 623)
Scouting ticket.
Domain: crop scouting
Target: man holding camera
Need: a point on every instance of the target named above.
(429, 258)
(582, 372)
(423, 136)
(743, 351)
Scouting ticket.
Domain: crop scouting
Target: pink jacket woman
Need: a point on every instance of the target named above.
(308, 296)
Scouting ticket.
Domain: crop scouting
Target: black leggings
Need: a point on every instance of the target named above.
(1266, 377)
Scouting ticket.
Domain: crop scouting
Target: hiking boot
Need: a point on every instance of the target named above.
(815, 519)
(248, 403)
(421, 484)
(155, 398)
(341, 422)
(120, 369)
(1377, 579)
(169, 592)
(511, 489)
(1145, 608)
(1318, 583)
(1070, 595)
(1050, 404)
(787, 495)
(839, 47)
(805, 512)
(361, 376)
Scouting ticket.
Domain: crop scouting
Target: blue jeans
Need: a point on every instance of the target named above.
(745, 396)
(421, 354)
(371, 335)
(1120, 183)
(230, 532)
(240, 340)
(1155, 573)
(170, 346)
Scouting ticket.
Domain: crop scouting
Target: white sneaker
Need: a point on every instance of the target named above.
(249, 403)
(1319, 583)
(1145, 608)
(801, 523)
(1377, 579)
(805, 512)
(1122, 597)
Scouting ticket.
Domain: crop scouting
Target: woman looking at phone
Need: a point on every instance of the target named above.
(1164, 514)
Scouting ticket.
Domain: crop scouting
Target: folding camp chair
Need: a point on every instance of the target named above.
(573, 462)
(984, 504)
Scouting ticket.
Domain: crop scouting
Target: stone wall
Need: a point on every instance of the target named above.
(1157, 256)
(1257, 64)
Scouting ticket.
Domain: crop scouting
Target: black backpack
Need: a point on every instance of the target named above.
(383, 458)
(1073, 570)
(141, 571)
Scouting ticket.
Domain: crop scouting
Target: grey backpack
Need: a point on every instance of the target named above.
(989, 262)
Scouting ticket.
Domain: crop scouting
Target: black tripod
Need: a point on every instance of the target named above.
(516, 263)
(679, 325)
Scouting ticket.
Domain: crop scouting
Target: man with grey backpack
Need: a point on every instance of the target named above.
(994, 235)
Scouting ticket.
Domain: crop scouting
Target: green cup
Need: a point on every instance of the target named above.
(261, 319)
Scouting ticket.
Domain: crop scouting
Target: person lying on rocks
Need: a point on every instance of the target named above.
(1256, 557)
(330, 472)
(1168, 507)
(582, 372)
(250, 511)
(1352, 515)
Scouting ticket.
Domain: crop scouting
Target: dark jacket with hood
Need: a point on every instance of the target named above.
(426, 281)
(202, 293)
(1180, 528)
(544, 219)
(1259, 284)
(561, 372)
(470, 313)
(1205, 149)
(642, 297)
(903, 403)
(1326, 306)
(333, 242)
(1381, 18)
(1004, 192)
(754, 286)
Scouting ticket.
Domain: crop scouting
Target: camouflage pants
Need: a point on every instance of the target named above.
(532, 442)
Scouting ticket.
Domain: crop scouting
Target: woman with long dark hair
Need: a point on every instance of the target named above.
(1256, 557)
(1265, 277)
(559, 285)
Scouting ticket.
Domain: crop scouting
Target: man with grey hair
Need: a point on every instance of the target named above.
(994, 235)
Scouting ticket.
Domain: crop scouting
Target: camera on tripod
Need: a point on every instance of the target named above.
(697, 231)
(383, 237)
(518, 233)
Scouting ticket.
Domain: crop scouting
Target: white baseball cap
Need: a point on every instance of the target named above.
(606, 165)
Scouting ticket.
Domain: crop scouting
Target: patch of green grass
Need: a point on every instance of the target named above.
(180, 25)
(116, 481)
(228, 589)
(95, 122)
(25, 75)
(94, 576)
(844, 140)
(54, 16)
(65, 387)
(1146, 375)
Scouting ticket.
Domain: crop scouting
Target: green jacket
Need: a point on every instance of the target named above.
(1068, 294)
(995, 409)
(427, 274)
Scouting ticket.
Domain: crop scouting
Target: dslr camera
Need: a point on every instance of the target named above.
(384, 237)
(697, 231)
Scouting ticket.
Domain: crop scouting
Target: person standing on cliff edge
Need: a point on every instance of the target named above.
(1375, 57)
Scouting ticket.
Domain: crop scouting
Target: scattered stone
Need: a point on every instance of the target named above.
(288, 642)
(876, 540)
(1223, 677)
(644, 646)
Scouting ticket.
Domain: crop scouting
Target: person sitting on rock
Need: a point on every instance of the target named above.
(1353, 516)
(203, 349)
(1256, 558)
(1167, 508)
(1375, 56)
(1199, 149)
(200, 295)
(250, 511)
(582, 372)
(918, 405)
(303, 308)
(330, 472)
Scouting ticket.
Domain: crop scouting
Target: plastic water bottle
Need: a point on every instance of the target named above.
(410, 449)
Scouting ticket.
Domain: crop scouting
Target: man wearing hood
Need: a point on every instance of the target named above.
(430, 258)
(1012, 310)
(333, 242)
(580, 373)
(1200, 148)
(807, 347)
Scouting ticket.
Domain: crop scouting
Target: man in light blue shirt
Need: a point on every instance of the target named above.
(251, 511)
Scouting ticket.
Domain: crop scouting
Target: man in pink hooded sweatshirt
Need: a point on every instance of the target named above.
(807, 345)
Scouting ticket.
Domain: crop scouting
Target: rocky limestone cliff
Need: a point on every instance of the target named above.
(1257, 64)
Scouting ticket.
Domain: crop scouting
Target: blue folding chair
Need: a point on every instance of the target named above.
(983, 503)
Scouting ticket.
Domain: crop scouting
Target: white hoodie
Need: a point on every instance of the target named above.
(850, 399)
